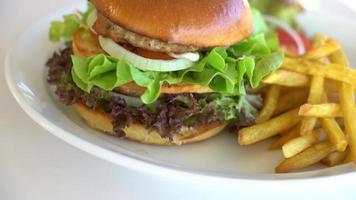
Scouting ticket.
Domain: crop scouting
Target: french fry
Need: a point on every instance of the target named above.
(315, 96)
(348, 157)
(326, 110)
(307, 157)
(339, 57)
(323, 50)
(347, 103)
(330, 71)
(291, 100)
(332, 87)
(316, 87)
(334, 133)
(272, 127)
(324, 98)
(334, 158)
(299, 144)
(319, 39)
(307, 125)
(270, 104)
(287, 78)
(290, 134)
(348, 108)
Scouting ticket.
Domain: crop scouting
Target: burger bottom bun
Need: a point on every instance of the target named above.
(137, 132)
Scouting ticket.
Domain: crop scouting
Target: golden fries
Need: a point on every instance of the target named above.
(306, 90)
(339, 57)
(323, 50)
(308, 157)
(332, 87)
(290, 134)
(334, 158)
(348, 108)
(259, 132)
(270, 104)
(326, 110)
(285, 137)
(315, 97)
(315, 68)
(299, 144)
(319, 39)
(316, 92)
(291, 100)
(334, 133)
(347, 102)
(348, 157)
(287, 78)
(307, 125)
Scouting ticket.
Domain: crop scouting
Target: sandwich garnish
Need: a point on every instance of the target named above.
(177, 90)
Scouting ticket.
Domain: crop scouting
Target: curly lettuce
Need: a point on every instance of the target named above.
(282, 9)
(69, 25)
(222, 70)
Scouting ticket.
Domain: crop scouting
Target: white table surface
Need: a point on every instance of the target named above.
(36, 165)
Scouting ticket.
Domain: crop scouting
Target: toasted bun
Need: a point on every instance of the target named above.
(137, 132)
(88, 46)
(204, 23)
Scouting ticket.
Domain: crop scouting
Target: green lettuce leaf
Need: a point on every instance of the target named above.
(223, 70)
(70, 23)
(231, 106)
(259, 24)
(282, 9)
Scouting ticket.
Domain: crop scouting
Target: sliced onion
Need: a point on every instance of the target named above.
(91, 19)
(193, 56)
(294, 35)
(146, 64)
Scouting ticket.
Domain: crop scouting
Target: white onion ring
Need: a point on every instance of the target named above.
(91, 19)
(294, 35)
(145, 64)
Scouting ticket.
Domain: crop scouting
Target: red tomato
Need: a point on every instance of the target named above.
(146, 53)
(287, 41)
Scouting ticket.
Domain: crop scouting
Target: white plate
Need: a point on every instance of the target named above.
(219, 158)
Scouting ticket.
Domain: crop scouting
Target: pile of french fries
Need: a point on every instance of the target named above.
(309, 106)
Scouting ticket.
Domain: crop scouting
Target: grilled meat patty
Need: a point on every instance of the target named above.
(103, 26)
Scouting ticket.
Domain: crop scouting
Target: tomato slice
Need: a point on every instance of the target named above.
(307, 42)
(287, 41)
(86, 43)
(146, 53)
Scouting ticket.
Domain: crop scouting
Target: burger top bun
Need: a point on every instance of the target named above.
(204, 23)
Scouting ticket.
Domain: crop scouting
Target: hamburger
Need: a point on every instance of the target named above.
(163, 72)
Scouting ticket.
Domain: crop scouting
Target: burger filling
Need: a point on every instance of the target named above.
(167, 115)
(173, 91)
